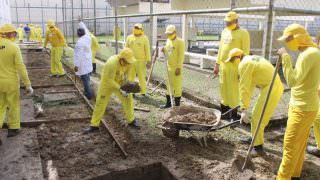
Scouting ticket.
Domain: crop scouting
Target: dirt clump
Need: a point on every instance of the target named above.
(236, 169)
(191, 114)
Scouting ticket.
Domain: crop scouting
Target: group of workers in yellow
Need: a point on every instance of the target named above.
(34, 33)
(240, 74)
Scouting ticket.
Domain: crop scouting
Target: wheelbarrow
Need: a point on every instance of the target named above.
(171, 129)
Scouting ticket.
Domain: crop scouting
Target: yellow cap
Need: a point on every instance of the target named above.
(170, 29)
(230, 16)
(234, 52)
(127, 54)
(50, 23)
(6, 28)
(138, 25)
(293, 29)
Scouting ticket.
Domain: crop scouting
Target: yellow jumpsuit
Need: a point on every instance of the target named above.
(11, 67)
(20, 33)
(33, 35)
(229, 83)
(94, 47)
(119, 33)
(141, 49)
(257, 72)
(174, 50)
(316, 129)
(113, 76)
(304, 81)
(39, 35)
(57, 40)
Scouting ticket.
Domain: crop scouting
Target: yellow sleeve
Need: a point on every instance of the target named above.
(219, 61)
(127, 42)
(108, 78)
(61, 37)
(46, 39)
(181, 51)
(131, 74)
(246, 43)
(245, 84)
(21, 68)
(147, 50)
(294, 76)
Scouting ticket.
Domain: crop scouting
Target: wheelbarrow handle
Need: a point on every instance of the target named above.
(224, 126)
(230, 110)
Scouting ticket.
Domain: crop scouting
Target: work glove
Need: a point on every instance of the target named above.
(29, 90)
(123, 93)
(244, 117)
(282, 51)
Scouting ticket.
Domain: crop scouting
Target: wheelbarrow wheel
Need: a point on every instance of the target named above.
(170, 131)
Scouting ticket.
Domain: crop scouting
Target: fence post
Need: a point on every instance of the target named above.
(267, 41)
(72, 25)
(185, 31)
(63, 20)
(17, 15)
(29, 13)
(95, 16)
(56, 13)
(116, 25)
(42, 21)
(151, 24)
(81, 9)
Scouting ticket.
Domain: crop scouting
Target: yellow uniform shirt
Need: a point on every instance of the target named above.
(20, 33)
(175, 50)
(304, 79)
(140, 47)
(11, 66)
(55, 37)
(114, 75)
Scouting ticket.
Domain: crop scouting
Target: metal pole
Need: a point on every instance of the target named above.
(94, 15)
(116, 24)
(63, 23)
(29, 12)
(42, 21)
(268, 36)
(17, 15)
(81, 9)
(151, 25)
(233, 4)
(56, 12)
(72, 26)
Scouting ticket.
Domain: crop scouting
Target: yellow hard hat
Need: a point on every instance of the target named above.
(170, 29)
(293, 29)
(21, 25)
(138, 25)
(234, 52)
(127, 54)
(230, 16)
(6, 28)
(50, 23)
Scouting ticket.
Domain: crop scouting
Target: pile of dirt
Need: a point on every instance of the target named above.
(191, 114)
(131, 87)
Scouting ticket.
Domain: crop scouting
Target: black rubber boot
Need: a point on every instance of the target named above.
(12, 132)
(177, 101)
(134, 124)
(234, 115)
(246, 140)
(223, 110)
(257, 151)
(168, 103)
(94, 66)
(295, 178)
(90, 129)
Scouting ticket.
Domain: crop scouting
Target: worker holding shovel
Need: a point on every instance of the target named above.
(118, 70)
(174, 51)
(304, 81)
(256, 72)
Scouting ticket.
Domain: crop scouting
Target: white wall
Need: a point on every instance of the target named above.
(5, 15)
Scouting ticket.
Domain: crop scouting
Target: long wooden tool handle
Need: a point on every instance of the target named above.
(262, 113)
(154, 59)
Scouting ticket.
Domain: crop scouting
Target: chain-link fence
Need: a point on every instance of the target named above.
(198, 22)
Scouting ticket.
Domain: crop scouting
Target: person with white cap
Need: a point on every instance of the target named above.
(231, 37)
(174, 50)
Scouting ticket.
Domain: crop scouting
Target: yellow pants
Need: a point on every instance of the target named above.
(176, 83)
(12, 101)
(94, 52)
(295, 142)
(316, 129)
(102, 102)
(274, 99)
(229, 85)
(56, 64)
(141, 71)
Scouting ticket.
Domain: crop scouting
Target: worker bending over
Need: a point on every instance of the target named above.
(118, 70)
(231, 37)
(12, 69)
(139, 44)
(55, 37)
(94, 47)
(304, 81)
(20, 33)
(82, 57)
(256, 72)
(174, 51)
